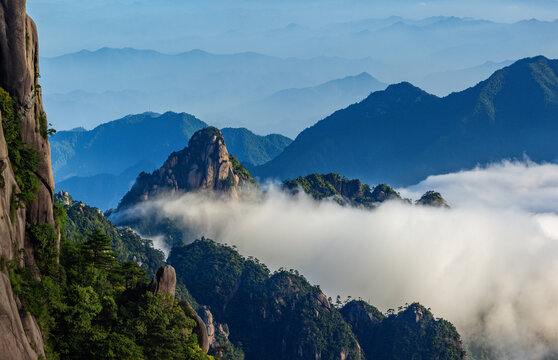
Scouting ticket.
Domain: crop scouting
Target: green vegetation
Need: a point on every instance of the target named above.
(23, 158)
(412, 333)
(295, 319)
(252, 149)
(384, 192)
(405, 134)
(81, 219)
(241, 172)
(432, 198)
(340, 189)
(44, 129)
(91, 306)
(291, 315)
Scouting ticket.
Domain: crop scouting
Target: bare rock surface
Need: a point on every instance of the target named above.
(203, 165)
(164, 281)
(19, 71)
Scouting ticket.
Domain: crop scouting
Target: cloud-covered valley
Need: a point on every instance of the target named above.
(489, 264)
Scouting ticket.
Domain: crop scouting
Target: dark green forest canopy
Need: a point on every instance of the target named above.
(290, 313)
(410, 333)
(89, 305)
(81, 220)
(341, 189)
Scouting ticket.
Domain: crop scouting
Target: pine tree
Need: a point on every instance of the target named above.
(97, 251)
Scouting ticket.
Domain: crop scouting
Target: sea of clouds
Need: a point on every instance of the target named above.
(489, 264)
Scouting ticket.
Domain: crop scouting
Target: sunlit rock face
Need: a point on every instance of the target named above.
(19, 71)
(204, 164)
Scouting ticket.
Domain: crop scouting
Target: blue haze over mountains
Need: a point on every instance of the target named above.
(223, 61)
(402, 135)
(399, 136)
(100, 165)
(384, 91)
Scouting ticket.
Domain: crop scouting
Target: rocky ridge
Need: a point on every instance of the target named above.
(205, 164)
(19, 72)
(353, 192)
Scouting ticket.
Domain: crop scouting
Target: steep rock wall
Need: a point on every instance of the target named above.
(19, 71)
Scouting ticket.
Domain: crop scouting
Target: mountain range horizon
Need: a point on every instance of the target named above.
(441, 54)
(282, 180)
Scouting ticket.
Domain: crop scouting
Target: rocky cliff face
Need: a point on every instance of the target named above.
(19, 70)
(215, 330)
(204, 164)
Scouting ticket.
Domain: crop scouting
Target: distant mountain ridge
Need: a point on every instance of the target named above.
(403, 134)
(293, 110)
(100, 165)
(206, 84)
(252, 149)
(114, 146)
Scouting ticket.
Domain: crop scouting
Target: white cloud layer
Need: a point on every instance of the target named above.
(489, 264)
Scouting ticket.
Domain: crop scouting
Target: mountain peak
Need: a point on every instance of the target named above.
(395, 96)
(505, 91)
(205, 164)
(530, 61)
(208, 136)
(403, 87)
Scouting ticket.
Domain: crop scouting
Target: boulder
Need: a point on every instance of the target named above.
(164, 281)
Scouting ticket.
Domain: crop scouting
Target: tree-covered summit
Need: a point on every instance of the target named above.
(295, 320)
(342, 190)
(80, 220)
(412, 332)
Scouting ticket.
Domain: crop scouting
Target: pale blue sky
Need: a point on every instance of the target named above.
(70, 25)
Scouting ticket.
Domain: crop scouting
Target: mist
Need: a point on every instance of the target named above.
(166, 25)
(252, 52)
(488, 264)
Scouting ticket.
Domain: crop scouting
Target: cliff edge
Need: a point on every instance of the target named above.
(26, 181)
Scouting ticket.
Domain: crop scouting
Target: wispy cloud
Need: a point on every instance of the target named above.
(489, 264)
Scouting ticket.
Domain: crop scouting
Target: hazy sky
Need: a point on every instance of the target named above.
(71, 25)
(395, 50)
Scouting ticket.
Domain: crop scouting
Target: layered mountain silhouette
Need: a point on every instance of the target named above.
(205, 164)
(403, 134)
(100, 165)
(117, 145)
(292, 110)
(252, 149)
(83, 85)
